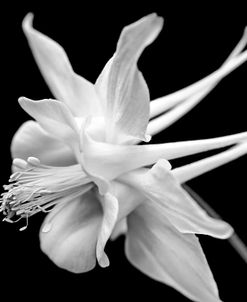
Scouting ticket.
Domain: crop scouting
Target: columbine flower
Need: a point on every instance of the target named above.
(80, 160)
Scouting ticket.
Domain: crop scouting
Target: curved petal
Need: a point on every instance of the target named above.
(69, 233)
(122, 87)
(55, 118)
(158, 250)
(78, 94)
(31, 140)
(110, 214)
(165, 192)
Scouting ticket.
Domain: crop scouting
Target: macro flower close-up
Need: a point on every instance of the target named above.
(88, 161)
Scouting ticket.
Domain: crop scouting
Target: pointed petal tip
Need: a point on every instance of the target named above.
(103, 261)
(154, 21)
(22, 99)
(27, 21)
(162, 164)
(147, 138)
(154, 18)
(229, 231)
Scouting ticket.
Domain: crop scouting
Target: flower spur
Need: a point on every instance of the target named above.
(80, 160)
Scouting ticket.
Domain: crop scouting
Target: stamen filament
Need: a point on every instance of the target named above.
(38, 187)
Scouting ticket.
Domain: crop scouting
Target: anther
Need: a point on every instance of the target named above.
(33, 161)
(20, 163)
(24, 227)
(46, 228)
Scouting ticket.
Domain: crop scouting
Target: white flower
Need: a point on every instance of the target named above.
(80, 160)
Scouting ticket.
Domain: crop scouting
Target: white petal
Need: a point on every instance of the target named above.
(31, 140)
(122, 87)
(117, 200)
(110, 214)
(69, 233)
(55, 118)
(190, 171)
(117, 203)
(175, 204)
(67, 86)
(158, 250)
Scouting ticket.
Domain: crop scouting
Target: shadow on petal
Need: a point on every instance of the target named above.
(158, 250)
(69, 233)
(31, 140)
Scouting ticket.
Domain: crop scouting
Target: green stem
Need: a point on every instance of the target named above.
(234, 240)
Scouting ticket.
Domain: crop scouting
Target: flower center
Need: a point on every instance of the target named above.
(36, 187)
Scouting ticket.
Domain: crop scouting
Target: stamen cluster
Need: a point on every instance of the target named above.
(36, 187)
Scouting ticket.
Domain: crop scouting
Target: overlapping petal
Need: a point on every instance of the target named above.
(55, 118)
(78, 93)
(32, 140)
(164, 192)
(110, 214)
(158, 250)
(122, 87)
(69, 233)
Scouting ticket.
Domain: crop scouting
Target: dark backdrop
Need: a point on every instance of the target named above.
(194, 42)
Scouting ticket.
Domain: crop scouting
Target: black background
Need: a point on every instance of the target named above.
(194, 42)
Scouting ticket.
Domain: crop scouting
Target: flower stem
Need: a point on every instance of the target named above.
(234, 240)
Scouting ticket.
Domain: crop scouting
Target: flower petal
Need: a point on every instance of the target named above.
(158, 250)
(67, 86)
(69, 233)
(164, 191)
(110, 214)
(55, 118)
(122, 87)
(31, 140)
